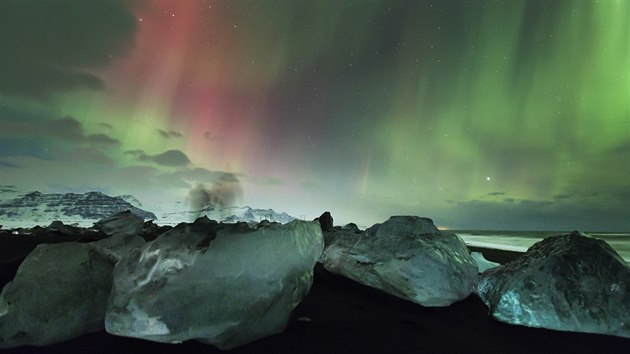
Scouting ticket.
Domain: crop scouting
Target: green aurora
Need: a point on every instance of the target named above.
(479, 114)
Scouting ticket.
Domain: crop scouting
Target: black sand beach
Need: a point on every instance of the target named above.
(346, 317)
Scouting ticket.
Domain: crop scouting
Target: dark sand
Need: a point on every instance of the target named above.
(347, 317)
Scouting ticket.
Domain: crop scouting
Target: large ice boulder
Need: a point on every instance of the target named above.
(118, 245)
(59, 292)
(406, 256)
(568, 282)
(221, 284)
(123, 223)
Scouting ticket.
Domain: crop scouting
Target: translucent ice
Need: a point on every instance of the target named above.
(222, 284)
(482, 263)
(59, 292)
(568, 282)
(405, 256)
(123, 223)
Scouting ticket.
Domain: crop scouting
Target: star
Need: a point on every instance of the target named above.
(488, 178)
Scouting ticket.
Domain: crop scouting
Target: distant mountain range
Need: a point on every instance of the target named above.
(39, 208)
(227, 215)
(27, 210)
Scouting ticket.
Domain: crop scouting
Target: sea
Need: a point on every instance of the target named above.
(522, 240)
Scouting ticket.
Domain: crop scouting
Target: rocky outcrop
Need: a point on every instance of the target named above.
(406, 256)
(325, 221)
(568, 282)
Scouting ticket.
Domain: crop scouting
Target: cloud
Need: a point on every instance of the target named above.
(8, 188)
(101, 139)
(496, 194)
(622, 150)
(48, 45)
(173, 158)
(525, 214)
(310, 183)
(106, 125)
(225, 192)
(187, 177)
(167, 134)
(68, 129)
(5, 164)
(271, 181)
(266, 181)
(211, 137)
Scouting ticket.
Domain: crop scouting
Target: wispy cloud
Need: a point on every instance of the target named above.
(68, 129)
(63, 38)
(167, 134)
(173, 158)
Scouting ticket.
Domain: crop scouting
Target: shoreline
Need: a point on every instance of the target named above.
(496, 255)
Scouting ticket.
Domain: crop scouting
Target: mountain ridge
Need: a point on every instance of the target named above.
(83, 208)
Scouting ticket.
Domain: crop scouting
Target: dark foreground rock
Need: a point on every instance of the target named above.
(325, 221)
(568, 282)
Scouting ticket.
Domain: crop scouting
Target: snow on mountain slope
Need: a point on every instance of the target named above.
(39, 208)
(227, 215)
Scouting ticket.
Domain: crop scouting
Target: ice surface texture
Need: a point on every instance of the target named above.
(222, 284)
(568, 282)
(59, 292)
(482, 263)
(406, 256)
(123, 223)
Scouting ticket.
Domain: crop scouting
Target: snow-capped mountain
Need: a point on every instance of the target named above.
(227, 215)
(249, 214)
(131, 200)
(39, 208)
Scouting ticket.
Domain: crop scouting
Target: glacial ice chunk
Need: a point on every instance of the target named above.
(406, 256)
(482, 263)
(59, 292)
(116, 246)
(222, 284)
(123, 223)
(568, 282)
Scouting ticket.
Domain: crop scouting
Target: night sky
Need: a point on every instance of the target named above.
(479, 114)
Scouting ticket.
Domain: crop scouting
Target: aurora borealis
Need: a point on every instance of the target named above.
(479, 114)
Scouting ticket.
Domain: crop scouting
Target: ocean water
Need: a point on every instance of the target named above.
(522, 240)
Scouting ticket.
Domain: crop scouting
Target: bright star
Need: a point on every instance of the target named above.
(488, 179)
